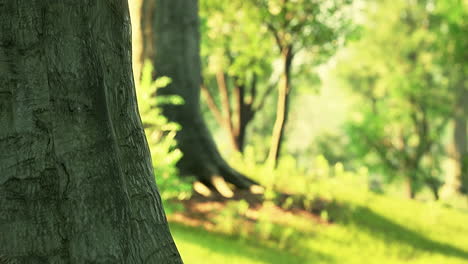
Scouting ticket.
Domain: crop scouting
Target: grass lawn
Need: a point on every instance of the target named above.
(367, 229)
(200, 246)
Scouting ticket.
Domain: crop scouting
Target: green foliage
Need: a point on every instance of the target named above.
(160, 134)
(232, 217)
(405, 98)
(248, 41)
(315, 25)
(234, 41)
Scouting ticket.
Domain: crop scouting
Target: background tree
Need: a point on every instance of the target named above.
(142, 16)
(177, 45)
(406, 101)
(76, 181)
(315, 26)
(236, 56)
(451, 32)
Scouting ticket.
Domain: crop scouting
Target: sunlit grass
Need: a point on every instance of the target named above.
(366, 228)
(199, 246)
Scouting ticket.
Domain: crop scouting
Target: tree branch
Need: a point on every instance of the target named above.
(276, 35)
(226, 103)
(211, 104)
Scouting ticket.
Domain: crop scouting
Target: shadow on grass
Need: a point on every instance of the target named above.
(230, 248)
(391, 232)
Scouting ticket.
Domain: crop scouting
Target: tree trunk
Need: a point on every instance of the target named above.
(460, 142)
(235, 123)
(435, 191)
(226, 106)
(177, 56)
(142, 14)
(282, 109)
(76, 179)
(410, 192)
(245, 114)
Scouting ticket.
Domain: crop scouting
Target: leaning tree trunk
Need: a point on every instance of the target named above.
(76, 180)
(282, 109)
(176, 40)
(235, 123)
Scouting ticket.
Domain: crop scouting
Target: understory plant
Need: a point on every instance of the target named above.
(160, 134)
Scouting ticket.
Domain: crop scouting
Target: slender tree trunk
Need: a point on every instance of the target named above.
(410, 170)
(240, 117)
(460, 142)
(142, 14)
(76, 179)
(435, 190)
(410, 192)
(245, 114)
(226, 107)
(282, 109)
(177, 56)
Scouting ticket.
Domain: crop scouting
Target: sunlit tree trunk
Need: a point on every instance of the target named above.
(227, 120)
(142, 14)
(76, 179)
(282, 108)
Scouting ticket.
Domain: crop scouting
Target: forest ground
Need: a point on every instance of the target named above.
(349, 225)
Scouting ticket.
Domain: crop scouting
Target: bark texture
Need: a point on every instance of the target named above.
(76, 179)
(177, 56)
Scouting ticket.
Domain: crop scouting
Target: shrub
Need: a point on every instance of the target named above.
(160, 134)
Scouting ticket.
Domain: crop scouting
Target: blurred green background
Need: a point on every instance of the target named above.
(372, 162)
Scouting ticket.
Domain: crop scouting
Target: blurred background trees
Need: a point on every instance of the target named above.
(337, 108)
(380, 85)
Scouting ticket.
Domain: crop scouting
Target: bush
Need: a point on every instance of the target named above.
(160, 134)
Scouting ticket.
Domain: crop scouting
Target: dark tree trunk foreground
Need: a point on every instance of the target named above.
(177, 56)
(76, 179)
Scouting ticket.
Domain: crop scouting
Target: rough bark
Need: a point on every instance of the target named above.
(76, 179)
(282, 109)
(176, 42)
